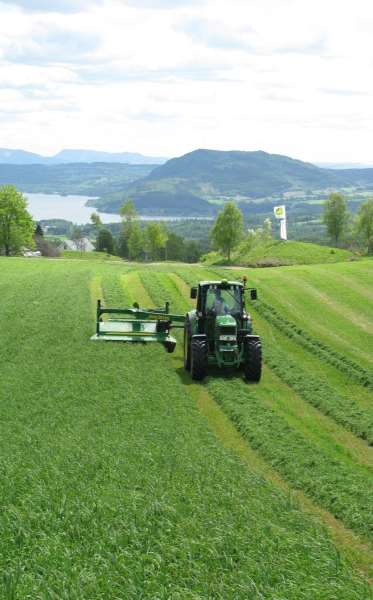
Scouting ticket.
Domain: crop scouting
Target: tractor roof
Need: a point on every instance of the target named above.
(220, 282)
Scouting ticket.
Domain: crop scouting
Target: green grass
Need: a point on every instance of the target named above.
(113, 484)
(100, 256)
(277, 252)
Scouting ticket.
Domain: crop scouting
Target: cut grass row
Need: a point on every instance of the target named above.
(334, 300)
(335, 485)
(318, 393)
(345, 482)
(360, 374)
(113, 486)
(325, 398)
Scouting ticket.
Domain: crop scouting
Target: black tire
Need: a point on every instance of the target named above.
(253, 360)
(187, 337)
(198, 358)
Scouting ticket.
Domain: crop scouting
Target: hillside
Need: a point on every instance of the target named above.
(192, 184)
(90, 179)
(21, 157)
(122, 484)
(277, 252)
(213, 174)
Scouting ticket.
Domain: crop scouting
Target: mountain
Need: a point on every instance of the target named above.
(21, 157)
(216, 175)
(87, 179)
(188, 185)
(89, 156)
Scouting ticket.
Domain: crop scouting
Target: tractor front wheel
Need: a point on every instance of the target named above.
(198, 358)
(253, 359)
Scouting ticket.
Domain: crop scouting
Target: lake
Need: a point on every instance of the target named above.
(72, 208)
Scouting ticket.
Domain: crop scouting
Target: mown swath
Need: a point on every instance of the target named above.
(337, 486)
(323, 351)
(327, 399)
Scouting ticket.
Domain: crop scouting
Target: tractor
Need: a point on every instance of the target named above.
(219, 331)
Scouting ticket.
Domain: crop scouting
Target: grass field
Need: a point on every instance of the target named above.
(277, 252)
(122, 478)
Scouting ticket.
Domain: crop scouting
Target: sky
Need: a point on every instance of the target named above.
(164, 77)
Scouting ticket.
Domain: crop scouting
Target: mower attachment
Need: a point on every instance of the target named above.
(139, 325)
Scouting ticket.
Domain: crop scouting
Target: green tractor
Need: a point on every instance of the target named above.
(219, 331)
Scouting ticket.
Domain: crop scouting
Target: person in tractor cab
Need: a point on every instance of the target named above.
(221, 307)
(215, 302)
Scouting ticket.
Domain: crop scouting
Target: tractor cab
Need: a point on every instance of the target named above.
(217, 298)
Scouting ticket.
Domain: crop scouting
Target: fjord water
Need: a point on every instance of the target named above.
(71, 208)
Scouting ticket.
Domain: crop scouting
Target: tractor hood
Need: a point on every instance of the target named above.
(226, 321)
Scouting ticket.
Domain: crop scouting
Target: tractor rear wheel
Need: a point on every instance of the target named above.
(198, 358)
(187, 336)
(253, 360)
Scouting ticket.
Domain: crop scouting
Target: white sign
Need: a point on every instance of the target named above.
(283, 232)
(280, 212)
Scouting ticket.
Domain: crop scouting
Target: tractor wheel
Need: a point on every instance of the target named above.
(253, 360)
(198, 359)
(187, 337)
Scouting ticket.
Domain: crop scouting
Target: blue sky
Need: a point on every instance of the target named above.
(164, 77)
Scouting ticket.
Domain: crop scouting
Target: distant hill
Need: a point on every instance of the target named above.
(188, 185)
(21, 157)
(213, 173)
(216, 175)
(89, 179)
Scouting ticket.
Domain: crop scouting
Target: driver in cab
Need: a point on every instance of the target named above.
(220, 305)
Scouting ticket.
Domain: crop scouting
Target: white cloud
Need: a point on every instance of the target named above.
(166, 77)
(52, 5)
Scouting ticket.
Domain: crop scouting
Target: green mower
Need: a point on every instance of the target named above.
(219, 331)
(135, 324)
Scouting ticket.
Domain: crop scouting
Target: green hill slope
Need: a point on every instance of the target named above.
(278, 252)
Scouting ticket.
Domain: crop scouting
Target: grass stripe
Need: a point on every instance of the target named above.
(334, 485)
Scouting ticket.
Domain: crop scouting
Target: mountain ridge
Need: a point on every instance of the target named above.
(244, 175)
(70, 156)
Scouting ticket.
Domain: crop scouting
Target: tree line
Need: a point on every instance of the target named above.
(153, 241)
(138, 242)
(342, 227)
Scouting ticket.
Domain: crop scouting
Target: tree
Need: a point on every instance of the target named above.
(105, 241)
(77, 237)
(95, 220)
(192, 251)
(38, 233)
(128, 215)
(175, 247)
(135, 242)
(16, 224)
(155, 238)
(128, 211)
(335, 216)
(365, 223)
(227, 230)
